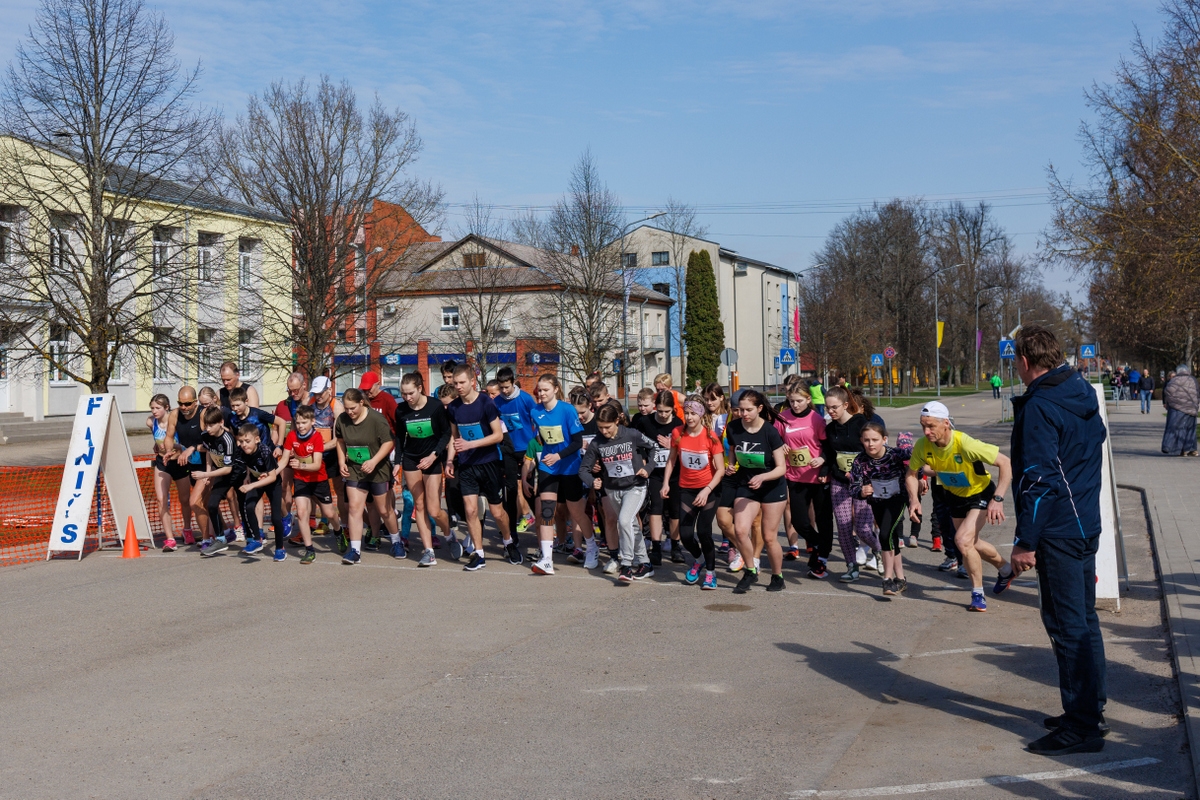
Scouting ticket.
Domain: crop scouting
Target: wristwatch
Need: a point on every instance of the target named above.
(999, 498)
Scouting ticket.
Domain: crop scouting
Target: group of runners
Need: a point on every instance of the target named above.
(594, 482)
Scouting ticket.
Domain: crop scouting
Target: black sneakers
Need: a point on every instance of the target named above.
(1065, 741)
(749, 578)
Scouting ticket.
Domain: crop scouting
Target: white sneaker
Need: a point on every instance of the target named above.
(879, 563)
(592, 558)
(736, 564)
(468, 547)
(756, 563)
(912, 541)
(861, 556)
(612, 567)
(544, 566)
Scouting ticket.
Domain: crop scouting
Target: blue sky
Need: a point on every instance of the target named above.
(810, 106)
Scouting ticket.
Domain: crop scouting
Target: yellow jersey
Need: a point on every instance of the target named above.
(959, 465)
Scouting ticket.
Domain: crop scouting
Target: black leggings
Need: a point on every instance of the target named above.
(800, 495)
(274, 494)
(698, 521)
(511, 462)
(889, 516)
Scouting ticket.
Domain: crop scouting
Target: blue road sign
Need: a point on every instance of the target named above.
(1087, 351)
(777, 362)
(787, 356)
(877, 360)
(1007, 350)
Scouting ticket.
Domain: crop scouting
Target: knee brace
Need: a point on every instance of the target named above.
(548, 509)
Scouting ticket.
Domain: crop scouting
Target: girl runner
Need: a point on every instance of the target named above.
(364, 441)
(561, 436)
(422, 432)
(167, 471)
(698, 456)
(656, 421)
(759, 451)
(581, 400)
(719, 412)
(843, 443)
(876, 476)
(803, 432)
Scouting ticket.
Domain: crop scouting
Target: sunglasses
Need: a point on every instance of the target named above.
(186, 405)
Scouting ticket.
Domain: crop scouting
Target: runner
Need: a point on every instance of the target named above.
(965, 487)
(720, 412)
(259, 465)
(326, 409)
(663, 383)
(624, 454)
(656, 421)
(698, 458)
(285, 409)
(803, 433)
(304, 452)
(601, 398)
(875, 477)
(561, 436)
(516, 408)
(364, 443)
(382, 401)
(168, 471)
(843, 443)
(477, 433)
(231, 378)
(219, 475)
(184, 429)
(581, 401)
(423, 433)
(762, 464)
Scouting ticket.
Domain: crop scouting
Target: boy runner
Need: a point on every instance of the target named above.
(218, 476)
(258, 462)
(516, 408)
(304, 453)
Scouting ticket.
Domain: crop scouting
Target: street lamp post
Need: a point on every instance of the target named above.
(977, 342)
(937, 349)
(625, 303)
(798, 273)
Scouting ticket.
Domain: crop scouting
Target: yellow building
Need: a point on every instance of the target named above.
(194, 274)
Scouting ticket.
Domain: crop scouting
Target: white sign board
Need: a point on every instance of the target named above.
(98, 442)
(1107, 584)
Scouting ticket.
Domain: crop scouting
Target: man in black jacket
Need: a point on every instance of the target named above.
(1145, 389)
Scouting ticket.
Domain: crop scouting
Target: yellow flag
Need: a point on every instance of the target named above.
(940, 326)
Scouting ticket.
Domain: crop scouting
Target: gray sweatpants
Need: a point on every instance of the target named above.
(628, 503)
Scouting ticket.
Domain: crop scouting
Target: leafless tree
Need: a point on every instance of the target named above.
(679, 220)
(338, 173)
(100, 125)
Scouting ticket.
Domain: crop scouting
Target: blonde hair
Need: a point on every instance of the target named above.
(663, 378)
(552, 379)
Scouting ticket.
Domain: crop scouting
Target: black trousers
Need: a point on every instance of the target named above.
(274, 493)
(511, 462)
(820, 539)
(698, 521)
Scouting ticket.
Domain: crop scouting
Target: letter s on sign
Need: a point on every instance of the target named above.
(70, 533)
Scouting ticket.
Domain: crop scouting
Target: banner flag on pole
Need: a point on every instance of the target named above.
(941, 326)
(978, 339)
(796, 323)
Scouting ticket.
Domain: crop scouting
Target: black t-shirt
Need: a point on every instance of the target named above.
(263, 420)
(591, 430)
(754, 452)
(649, 426)
(259, 462)
(221, 454)
(844, 438)
(420, 432)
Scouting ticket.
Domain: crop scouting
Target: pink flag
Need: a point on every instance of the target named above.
(978, 338)
(796, 323)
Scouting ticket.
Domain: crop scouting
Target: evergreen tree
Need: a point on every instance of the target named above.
(703, 331)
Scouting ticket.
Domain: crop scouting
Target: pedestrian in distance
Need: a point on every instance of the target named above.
(996, 382)
(1145, 390)
(1181, 396)
(1057, 442)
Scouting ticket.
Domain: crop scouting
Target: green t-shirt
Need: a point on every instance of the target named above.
(363, 440)
(818, 394)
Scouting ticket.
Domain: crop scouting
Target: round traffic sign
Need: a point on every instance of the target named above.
(889, 352)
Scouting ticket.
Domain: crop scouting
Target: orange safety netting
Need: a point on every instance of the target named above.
(28, 496)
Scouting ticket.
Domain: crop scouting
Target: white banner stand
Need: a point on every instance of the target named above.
(98, 442)
(1108, 585)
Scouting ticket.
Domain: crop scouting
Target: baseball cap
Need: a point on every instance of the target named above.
(935, 409)
(320, 384)
(369, 379)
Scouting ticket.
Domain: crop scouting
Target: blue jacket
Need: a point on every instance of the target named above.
(1056, 458)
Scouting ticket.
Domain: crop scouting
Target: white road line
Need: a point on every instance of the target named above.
(968, 650)
(999, 780)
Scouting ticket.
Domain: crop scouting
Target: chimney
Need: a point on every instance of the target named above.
(575, 250)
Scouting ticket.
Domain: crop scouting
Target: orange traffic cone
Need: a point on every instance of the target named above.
(131, 549)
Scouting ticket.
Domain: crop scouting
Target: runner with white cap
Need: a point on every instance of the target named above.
(965, 487)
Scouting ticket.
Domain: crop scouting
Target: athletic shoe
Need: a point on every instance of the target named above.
(309, 557)
(563, 548)
(169, 546)
(862, 554)
(1064, 741)
(850, 575)
(297, 540)
(1003, 582)
(398, 550)
(427, 559)
(577, 556)
(912, 542)
(936, 547)
(677, 554)
(736, 564)
(977, 603)
(748, 580)
(352, 557)
(475, 563)
(252, 547)
(239, 534)
(625, 575)
(889, 586)
(214, 547)
(791, 553)
(879, 563)
(287, 525)
(205, 544)
(1054, 723)
(437, 543)
(643, 571)
(871, 564)
(343, 542)
(612, 567)
(592, 558)
(523, 524)
(280, 555)
(543, 566)
(818, 571)
(468, 546)
(961, 572)
(188, 536)
(456, 548)
(372, 542)
(776, 584)
(949, 564)
(900, 585)
(710, 581)
(693, 574)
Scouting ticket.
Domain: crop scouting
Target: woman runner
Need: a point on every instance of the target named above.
(876, 476)
(843, 443)
(698, 456)
(167, 471)
(803, 432)
(364, 441)
(422, 432)
(759, 451)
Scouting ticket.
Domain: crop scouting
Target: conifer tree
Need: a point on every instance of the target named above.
(703, 331)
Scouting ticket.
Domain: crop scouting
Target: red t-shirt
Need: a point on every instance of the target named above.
(283, 409)
(696, 454)
(310, 450)
(385, 404)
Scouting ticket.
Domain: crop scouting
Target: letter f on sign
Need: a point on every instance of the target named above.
(93, 404)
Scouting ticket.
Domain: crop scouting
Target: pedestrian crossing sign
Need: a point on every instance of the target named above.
(1007, 350)
(1087, 351)
(877, 360)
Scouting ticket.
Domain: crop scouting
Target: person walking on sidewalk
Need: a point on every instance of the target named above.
(996, 382)
(1145, 389)
(1181, 396)
(1056, 450)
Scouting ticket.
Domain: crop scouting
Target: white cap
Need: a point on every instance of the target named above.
(320, 384)
(935, 409)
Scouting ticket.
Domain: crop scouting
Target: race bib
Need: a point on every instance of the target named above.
(216, 460)
(958, 480)
(551, 434)
(421, 428)
(472, 431)
(622, 468)
(311, 458)
(800, 457)
(512, 422)
(661, 457)
(751, 460)
(358, 455)
(844, 460)
(884, 490)
(587, 440)
(254, 473)
(693, 459)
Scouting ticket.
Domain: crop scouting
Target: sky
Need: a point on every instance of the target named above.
(774, 118)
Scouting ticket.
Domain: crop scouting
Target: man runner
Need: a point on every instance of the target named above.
(516, 407)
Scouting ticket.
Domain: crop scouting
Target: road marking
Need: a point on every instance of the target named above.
(999, 780)
(617, 689)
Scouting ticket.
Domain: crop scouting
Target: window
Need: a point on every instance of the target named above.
(342, 335)
(449, 318)
(8, 219)
(362, 335)
(117, 247)
(205, 339)
(474, 259)
(245, 253)
(246, 351)
(628, 260)
(660, 258)
(59, 354)
(3, 361)
(360, 301)
(160, 252)
(206, 257)
(162, 355)
(60, 244)
(118, 370)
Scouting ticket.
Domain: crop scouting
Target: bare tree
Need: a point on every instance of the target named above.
(679, 220)
(100, 125)
(338, 174)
